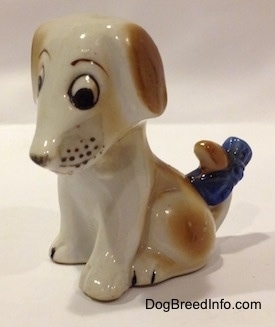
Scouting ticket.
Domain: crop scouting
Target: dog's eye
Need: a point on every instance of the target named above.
(40, 80)
(84, 92)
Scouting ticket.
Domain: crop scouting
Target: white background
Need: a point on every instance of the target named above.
(219, 58)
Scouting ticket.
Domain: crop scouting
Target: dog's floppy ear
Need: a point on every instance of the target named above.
(147, 69)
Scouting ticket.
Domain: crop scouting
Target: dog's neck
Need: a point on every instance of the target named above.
(130, 152)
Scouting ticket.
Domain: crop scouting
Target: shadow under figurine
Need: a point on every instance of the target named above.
(132, 219)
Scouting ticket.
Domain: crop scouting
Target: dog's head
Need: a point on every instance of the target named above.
(93, 79)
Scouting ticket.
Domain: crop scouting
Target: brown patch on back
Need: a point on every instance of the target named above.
(147, 69)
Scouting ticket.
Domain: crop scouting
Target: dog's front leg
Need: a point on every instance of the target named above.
(106, 275)
(108, 272)
(75, 240)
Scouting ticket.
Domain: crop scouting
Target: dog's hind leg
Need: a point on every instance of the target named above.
(180, 238)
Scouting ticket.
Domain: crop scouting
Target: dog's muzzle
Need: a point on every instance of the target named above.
(40, 160)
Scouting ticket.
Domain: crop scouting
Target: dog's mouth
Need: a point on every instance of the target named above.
(77, 165)
(81, 155)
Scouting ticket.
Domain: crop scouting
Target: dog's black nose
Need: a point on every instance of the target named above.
(40, 160)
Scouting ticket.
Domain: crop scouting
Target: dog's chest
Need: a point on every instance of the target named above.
(101, 196)
(84, 194)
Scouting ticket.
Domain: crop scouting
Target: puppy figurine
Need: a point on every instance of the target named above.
(132, 219)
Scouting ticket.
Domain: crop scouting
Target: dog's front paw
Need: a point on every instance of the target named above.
(67, 253)
(105, 285)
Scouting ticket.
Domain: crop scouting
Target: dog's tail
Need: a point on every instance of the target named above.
(221, 168)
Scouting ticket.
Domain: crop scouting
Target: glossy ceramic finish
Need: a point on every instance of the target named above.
(221, 168)
(132, 219)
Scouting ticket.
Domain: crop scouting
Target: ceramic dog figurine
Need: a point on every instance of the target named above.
(132, 219)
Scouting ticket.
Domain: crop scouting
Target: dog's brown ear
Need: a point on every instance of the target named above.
(147, 69)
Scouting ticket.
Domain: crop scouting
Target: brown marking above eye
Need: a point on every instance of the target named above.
(44, 51)
(92, 62)
(37, 45)
(38, 76)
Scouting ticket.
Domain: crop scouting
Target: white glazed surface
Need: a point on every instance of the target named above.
(232, 69)
(240, 268)
(131, 218)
